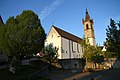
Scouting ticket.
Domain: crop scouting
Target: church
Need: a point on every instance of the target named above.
(68, 44)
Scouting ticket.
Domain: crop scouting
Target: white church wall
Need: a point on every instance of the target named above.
(65, 48)
(71, 49)
(77, 50)
(55, 39)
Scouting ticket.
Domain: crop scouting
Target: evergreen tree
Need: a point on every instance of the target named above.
(113, 38)
(1, 21)
(23, 35)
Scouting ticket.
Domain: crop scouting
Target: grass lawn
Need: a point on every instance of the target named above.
(21, 74)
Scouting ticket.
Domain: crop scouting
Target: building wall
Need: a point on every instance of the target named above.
(73, 64)
(89, 32)
(91, 41)
(67, 48)
(55, 39)
(71, 49)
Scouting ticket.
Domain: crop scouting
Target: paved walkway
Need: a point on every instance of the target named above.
(75, 77)
(112, 74)
(65, 75)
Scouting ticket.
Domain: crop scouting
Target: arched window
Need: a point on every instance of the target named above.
(87, 26)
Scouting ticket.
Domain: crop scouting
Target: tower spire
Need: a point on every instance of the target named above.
(87, 17)
(86, 10)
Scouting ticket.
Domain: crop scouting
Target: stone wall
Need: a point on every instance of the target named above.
(73, 64)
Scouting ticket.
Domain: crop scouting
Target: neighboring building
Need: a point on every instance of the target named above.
(89, 29)
(68, 44)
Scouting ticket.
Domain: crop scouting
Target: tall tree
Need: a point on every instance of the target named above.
(1, 21)
(113, 38)
(23, 35)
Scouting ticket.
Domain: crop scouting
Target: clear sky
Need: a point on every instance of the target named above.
(66, 14)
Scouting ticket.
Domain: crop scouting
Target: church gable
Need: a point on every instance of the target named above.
(53, 33)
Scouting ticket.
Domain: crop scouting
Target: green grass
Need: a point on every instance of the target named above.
(21, 74)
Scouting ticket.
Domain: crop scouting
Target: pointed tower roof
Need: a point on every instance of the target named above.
(87, 17)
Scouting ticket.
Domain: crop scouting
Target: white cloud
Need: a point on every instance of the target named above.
(49, 9)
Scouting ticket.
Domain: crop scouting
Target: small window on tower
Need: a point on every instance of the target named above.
(87, 26)
(91, 26)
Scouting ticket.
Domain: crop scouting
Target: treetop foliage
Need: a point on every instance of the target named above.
(51, 52)
(113, 38)
(22, 35)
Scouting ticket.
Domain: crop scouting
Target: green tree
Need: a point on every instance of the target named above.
(23, 35)
(92, 53)
(1, 21)
(51, 54)
(113, 38)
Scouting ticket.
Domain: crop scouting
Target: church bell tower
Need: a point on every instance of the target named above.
(89, 29)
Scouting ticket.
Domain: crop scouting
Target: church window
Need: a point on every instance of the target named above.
(52, 36)
(77, 55)
(66, 51)
(72, 46)
(78, 48)
(87, 26)
(91, 26)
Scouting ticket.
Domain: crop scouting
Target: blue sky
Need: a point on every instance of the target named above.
(66, 14)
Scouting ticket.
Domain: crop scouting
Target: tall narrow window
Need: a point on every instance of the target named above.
(87, 26)
(78, 47)
(72, 46)
(91, 26)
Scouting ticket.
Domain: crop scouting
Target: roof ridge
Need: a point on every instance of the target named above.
(66, 34)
